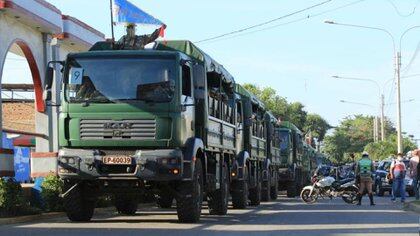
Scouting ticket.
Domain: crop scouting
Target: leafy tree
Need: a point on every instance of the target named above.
(354, 135)
(297, 114)
(383, 149)
(293, 112)
(317, 126)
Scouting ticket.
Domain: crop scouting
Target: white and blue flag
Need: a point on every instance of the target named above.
(126, 12)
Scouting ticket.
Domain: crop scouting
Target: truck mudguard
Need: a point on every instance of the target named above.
(240, 164)
(266, 169)
(192, 146)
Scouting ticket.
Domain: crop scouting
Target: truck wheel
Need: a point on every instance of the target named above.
(274, 189)
(265, 189)
(255, 195)
(78, 208)
(126, 205)
(240, 192)
(219, 199)
(190, 197)
(164, 200)
(291, 189)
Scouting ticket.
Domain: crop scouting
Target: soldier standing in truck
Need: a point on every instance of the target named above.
(131, 41)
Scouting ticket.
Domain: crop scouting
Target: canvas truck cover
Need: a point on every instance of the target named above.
(289, 125)
(193, 51)
(244, 92)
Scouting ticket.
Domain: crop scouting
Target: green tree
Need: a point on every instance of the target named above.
(317, 126)
(297, 114)
(383, 149)
(276, 104)
(353, 135)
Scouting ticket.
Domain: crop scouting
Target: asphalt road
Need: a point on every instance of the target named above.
(283, 217)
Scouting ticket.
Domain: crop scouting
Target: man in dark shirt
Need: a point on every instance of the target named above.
(131, 41)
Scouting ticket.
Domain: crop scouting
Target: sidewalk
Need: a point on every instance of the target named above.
(413, 206)
(51, 215)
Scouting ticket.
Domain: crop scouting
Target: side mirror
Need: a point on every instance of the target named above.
(47, 95)
(49, 74)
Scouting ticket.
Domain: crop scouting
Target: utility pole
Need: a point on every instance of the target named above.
(382, 118)
(399, 131)
(375, 128)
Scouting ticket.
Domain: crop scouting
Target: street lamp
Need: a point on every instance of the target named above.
(397, 56)
(381, 99)
(375, 118)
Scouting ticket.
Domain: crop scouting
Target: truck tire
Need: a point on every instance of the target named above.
(255, 194)
(126, 205)
(165, 200)
(190, 197)
(240, 192)
(274, 192)
(218, 200)
(78, 208)
(265, 189)
(291, 189)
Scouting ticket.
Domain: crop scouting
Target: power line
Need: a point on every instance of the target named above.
(264, 23)
(413, 58)
(289, 22)
(398, 11)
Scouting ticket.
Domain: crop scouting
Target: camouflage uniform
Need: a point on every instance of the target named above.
(137, 42)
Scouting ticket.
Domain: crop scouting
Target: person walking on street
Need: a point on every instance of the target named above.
(398, 172)
(414, 162)
(364, 170)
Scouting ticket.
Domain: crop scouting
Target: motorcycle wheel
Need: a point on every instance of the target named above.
(305, 196)
(350, 196)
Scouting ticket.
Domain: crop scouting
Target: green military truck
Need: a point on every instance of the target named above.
(294, 170)
(161, 121)
(255, 175)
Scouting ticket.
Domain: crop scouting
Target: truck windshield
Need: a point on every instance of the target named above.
(284, 137)
(108, 80)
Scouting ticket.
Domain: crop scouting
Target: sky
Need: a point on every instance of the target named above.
(297, 59)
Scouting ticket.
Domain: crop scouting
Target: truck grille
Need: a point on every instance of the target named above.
(144, 129)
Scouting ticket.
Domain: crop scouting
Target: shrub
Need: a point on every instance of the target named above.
(11, 197)
(51, 190)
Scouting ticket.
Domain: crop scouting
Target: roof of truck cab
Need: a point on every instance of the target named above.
(190, 49)
(289, 125)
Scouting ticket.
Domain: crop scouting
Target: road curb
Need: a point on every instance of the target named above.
(51, 215)
(409, 206)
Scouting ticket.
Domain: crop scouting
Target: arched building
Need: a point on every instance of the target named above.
(37, 31)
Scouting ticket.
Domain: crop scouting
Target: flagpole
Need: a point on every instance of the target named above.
(112, 23)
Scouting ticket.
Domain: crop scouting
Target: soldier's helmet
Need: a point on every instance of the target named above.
(130, 25)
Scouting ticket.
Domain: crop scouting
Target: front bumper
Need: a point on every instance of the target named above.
(149, 165)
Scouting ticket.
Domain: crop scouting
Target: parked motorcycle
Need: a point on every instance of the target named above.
(328, 187)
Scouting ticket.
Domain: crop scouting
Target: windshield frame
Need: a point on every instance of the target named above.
(146, 56)
(288, 141)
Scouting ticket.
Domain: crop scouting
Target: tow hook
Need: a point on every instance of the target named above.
(68, 191)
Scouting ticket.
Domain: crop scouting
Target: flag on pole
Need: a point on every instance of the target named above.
(126, 12)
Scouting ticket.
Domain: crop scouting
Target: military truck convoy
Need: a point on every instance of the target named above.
(169, 121)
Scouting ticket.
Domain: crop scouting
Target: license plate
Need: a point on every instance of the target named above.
(116, 160)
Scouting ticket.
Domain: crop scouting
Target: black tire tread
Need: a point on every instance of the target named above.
(78, 209)
(185, 202)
